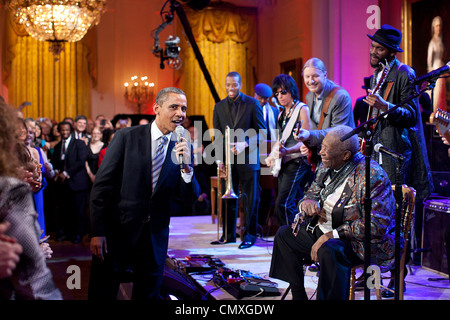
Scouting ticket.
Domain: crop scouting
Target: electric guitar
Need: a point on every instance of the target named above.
(441, 120)
(299, 220)
(373, 112)
(277, 162)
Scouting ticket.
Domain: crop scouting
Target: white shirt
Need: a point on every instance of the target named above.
(317, 109)
(65, 147)
(328, 206)
(156, 134)
(66, 143)
(267, 110)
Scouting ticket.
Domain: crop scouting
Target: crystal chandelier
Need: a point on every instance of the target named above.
(139, 93)
(57, 21)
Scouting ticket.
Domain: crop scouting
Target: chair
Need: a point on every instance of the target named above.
(407, 210)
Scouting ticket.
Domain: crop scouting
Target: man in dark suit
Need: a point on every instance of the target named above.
(80, 126)
(131, 201)
(244, 116)
(69, 160)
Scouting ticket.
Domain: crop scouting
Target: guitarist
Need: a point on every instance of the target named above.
(330, 106)
(401, 130)
(337, 196)
(294, 172)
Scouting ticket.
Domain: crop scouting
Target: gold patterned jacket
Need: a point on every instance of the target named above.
(348, 212)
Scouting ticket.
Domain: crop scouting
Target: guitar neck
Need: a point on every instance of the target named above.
(373, 112)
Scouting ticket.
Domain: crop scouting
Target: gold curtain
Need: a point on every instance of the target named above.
(55, 88)
(226, 37)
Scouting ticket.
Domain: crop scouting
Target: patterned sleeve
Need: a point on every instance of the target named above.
(32, 279)
(382, 210)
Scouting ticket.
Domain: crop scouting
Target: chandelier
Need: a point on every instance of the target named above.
(139, 93)
(57, 21)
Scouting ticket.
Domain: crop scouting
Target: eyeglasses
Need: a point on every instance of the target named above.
(283, 92)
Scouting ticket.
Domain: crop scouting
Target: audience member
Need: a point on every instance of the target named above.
(69, 161)
(10, 252)
(31, 279)
(80, 129)
(95, 146)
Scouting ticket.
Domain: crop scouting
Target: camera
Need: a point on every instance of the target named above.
(172, 48)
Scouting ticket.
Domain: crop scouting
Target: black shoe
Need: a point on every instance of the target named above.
(389, 294)
(222, 241)
(246, 244)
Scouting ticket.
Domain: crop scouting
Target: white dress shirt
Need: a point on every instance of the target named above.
(156, 134)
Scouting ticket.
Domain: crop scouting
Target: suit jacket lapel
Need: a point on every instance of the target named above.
(338, 210)
(145, 140)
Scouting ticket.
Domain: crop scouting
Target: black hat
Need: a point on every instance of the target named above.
(389, 37)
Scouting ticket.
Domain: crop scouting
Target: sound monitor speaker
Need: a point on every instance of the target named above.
(436, 220)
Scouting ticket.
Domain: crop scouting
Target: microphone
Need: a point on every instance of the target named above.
(180, 133)
(432, 75)
(379, 148)
(275, 102)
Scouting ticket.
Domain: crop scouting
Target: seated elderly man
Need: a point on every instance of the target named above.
(335, 235)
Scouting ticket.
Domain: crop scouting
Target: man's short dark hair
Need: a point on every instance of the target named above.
(80, 117)
(162, 95)
(234, 74)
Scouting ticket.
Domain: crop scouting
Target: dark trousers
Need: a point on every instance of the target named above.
(292, 179)
(72, 213)
(336, 258)
(139, 267)
(249, 187)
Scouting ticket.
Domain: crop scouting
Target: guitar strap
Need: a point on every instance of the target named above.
(288, 130)
(326, 105)
(388, 90)
(386, 94)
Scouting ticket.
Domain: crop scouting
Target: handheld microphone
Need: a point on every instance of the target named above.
(180, 133)
(433, 74)
(379, 148)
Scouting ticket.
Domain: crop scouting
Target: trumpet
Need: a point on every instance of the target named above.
(229, 192)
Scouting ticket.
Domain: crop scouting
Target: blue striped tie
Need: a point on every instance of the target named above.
(158, 160)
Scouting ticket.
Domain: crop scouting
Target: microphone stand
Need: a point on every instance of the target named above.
(366, 130)
(398, 194)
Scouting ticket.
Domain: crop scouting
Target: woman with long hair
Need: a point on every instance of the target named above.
(32, 277)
